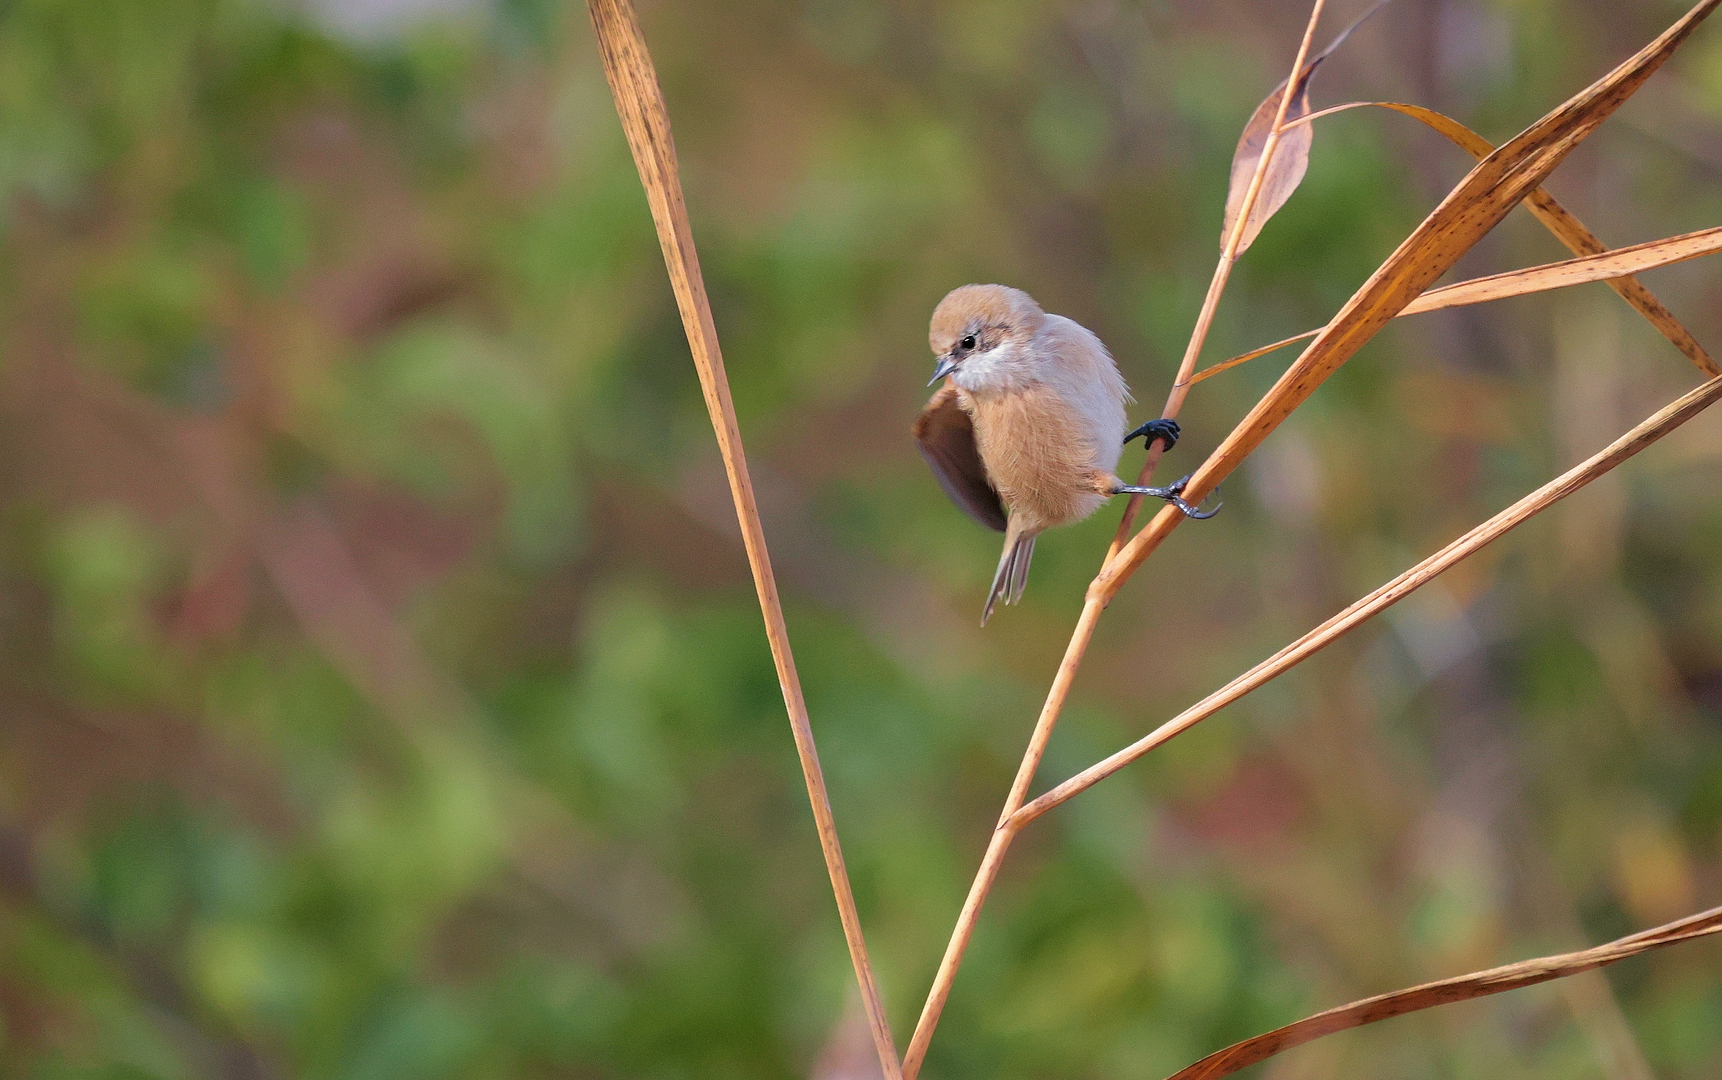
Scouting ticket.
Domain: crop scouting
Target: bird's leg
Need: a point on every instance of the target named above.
(1173, 495)
(1167, 431)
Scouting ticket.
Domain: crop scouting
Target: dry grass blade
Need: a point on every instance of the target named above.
(1621, 262)
(1498, 183)
(645, 120)
(1640, 437)
(1290, 160)
(1285, 170)
(1482, 984)
(1557, 219)
(1607, 266)
(1254, 354)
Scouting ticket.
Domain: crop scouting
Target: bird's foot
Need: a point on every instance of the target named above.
(1175, 496)
(1167, 431)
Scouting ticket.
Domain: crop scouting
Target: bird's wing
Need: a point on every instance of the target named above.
(946, 437)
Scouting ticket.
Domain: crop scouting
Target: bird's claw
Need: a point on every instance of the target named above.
(1175, 495)
(1167, 431)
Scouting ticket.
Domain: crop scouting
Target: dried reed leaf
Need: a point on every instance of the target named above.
(1290, 160)
(1607, 266)
(1559, 221)
(1498, 183)
(1676, 413)
(1285, 171)
(1482, 984)
(1255, 354)
(1621, 262)
(646, 122)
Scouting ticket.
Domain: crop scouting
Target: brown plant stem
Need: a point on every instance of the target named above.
(1254, 354)
(645, 120)
(964, 930)
(1499, 182)
(1606, 266)
(1465, 988)
(1566, 228)
(997, 845)
(1217, 286)
(1678, 412)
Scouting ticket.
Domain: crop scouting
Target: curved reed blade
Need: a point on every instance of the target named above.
(1605, 266)
(1566, 228)
(646, 122)
(1672, 416)
(1254, 354)
(1499, 182)
(1466, 988)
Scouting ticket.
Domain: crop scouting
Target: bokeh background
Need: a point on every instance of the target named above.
(382, 692)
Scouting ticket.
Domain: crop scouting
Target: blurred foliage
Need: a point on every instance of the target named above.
(384, 695)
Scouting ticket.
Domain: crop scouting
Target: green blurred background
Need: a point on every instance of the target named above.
(383, 694)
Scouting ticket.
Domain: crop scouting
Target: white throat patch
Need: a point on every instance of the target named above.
(1002, 368)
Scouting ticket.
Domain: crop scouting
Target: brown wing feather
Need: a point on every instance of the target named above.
(946, 437)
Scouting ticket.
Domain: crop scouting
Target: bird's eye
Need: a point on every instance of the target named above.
(969, 342)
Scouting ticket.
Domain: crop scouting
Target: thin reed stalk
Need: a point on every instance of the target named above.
(1612, 267)
(999, 842)
(1222, 276)
(1560, 222)
(645, 120)
(1667, 419)
(1446, 992)
(1500, 182)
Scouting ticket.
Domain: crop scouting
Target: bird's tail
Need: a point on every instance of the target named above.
(1012, 573)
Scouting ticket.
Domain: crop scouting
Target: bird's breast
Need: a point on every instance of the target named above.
(1040, 452)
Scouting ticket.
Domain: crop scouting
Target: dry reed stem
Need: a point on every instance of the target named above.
(1678, 412)
(1499, 182)
(997, 845)
(1605, 266)
(1217, 285)
(1465, 988)
(1558, 220)
(645, 120)
(1254, 354)
(1470, 211)
(1000, 841)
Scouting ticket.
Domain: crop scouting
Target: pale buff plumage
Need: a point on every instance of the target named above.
(1046, 402)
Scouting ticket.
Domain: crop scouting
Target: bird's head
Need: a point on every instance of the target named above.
(980, 335)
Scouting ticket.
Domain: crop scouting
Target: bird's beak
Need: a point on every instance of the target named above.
(945, 366)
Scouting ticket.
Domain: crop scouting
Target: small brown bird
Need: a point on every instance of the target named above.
(1028, 430)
